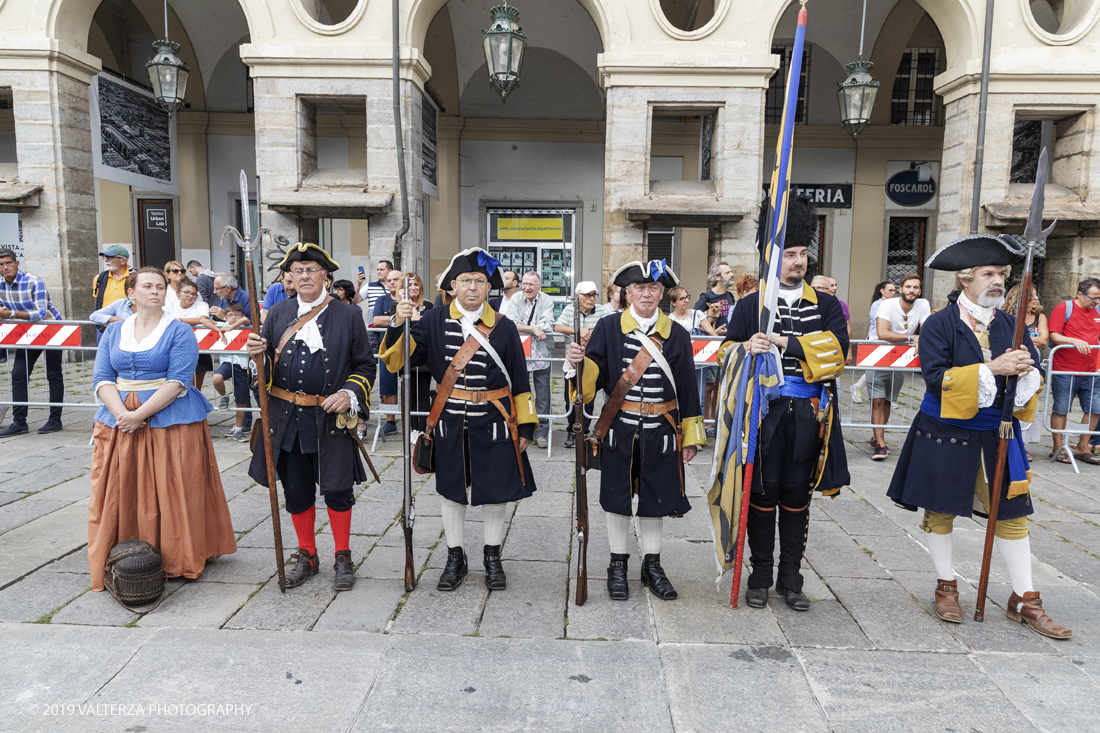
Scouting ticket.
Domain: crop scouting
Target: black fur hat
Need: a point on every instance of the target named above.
(801, 222)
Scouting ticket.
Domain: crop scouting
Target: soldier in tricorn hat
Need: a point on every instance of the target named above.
(650, 425)
(319, 363)
(949, 456)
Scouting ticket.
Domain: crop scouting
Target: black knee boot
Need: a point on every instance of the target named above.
(793, 529)
(760, 533)
(617, 587)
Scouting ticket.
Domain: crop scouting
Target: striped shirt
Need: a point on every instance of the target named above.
(800, 318)
(27, 293)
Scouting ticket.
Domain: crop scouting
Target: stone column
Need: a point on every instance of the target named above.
(277, 160)
(54, 148)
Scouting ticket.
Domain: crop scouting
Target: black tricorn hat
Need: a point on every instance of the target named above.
(308, 253)
(474, 259)
(654, 271)
(974, 250)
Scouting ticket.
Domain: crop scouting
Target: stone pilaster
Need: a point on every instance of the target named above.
(54, 149)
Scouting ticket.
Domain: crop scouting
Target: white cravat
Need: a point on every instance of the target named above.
(1026, 386)
(469, 318)
(982, 315)
(644, 324)
(309, 334)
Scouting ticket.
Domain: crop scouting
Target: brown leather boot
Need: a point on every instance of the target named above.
(1032, 614)
(947, 601)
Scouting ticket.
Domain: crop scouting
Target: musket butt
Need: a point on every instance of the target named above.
(979, 615)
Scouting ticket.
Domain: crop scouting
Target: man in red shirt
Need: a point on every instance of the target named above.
(1081, 331)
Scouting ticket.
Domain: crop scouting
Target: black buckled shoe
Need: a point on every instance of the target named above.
(345, 571)
(654, 578)
(494, 569)
(756, 597)
(455, 571)
(617, 587)
(793, 598)
(305, 568)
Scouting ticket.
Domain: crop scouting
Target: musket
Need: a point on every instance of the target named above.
(408, 511)
(581, 468)
(248, 245)
(1034, 234)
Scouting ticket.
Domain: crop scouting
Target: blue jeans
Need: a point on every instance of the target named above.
(239, 375)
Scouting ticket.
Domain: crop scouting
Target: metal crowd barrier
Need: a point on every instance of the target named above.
(1048, 407)
(883, 357)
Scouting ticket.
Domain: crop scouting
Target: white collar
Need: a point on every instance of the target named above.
(645, 324)
(304, 307)
(470, 316)
(977, 312)
(127, 341)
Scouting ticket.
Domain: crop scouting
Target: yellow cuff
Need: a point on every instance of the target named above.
(959, 393)
(724, 349)
(393, 355)
(693, 431)
(589, 373)
(1027, 412)
(823, 360)
(525, 408)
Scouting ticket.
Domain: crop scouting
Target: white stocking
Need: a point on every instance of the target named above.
(1017, 557)
(649, 534)
(493, 516)
(618, 533)
(454, 522)
(939, 547)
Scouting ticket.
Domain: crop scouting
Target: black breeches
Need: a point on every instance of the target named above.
(299, 471)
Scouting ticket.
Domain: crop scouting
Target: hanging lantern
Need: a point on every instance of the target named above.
(168, 75)
(857, 96)
(504, 43)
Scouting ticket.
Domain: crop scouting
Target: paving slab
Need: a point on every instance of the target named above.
(533, 605)
(601, 618)
(7, 497)
(471, 684)
(74, 562)
(296, 609)
(1053, 692)
(1066, 558)
(18, 513)
(42, 540)
(856, 516)
(538, 538)
(879, 691)
(890, 617)
(832, 553)
(199, 605)
(249, 509)
(281, 678)
(388, 562)
(731, 688)
(249, 565)
(38, 594)
(546, 504)
(95, 609)
(827, 625)
(896, 552)
(67, 491)
(59, 665)
(426, 532)
(431, 611)
(368, 606)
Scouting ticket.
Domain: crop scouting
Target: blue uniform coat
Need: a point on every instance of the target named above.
(938, 467)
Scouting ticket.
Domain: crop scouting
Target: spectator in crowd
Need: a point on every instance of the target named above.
(421, 386)
(235, 367)
(119, 310)
(720, 280)
(680, 301)
(371, 292)
(385, 306)
(884, 291)
(591, 311)
(1075, 323)
(827, 284)
(204, 279)
(746, 284)
(228, 291)
(533, 313)
(110, 285)
(1035, 322)
(192, 311)
(176, 274)
(154, 475)
(614, 298)
(511, 285)
(897, 320)
(24, 297)
(345, 292)
(277, 293)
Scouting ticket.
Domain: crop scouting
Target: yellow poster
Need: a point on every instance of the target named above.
(529, 228)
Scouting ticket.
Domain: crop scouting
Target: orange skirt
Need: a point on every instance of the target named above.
(160, 485)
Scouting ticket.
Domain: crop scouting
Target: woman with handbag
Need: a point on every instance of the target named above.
(154, 475)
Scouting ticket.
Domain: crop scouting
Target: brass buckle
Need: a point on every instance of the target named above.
(477, 397)
(298, 394)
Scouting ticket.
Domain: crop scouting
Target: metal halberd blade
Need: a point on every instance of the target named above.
(1033, 231)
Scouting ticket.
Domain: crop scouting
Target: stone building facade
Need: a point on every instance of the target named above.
(640, 128)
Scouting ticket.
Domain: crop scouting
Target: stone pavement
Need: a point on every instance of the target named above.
(228, 651)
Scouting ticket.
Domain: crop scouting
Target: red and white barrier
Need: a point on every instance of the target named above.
(882, 355)
(234, 340)
(705, 350)
(39, 334)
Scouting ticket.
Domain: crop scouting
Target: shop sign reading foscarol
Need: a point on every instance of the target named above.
(906, 189)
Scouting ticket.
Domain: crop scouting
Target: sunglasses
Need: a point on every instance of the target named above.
(175, 271)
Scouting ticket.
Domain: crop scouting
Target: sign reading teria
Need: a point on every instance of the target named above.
(906, 189)
(823, 195)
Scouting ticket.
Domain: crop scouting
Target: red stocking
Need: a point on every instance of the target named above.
(303, 525)
(341, 529)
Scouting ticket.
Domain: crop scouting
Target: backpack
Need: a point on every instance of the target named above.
(1069, 312)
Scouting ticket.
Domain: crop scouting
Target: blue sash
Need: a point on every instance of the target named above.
(988, 418)
(799, 387)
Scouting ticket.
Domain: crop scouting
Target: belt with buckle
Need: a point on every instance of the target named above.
(301, 399)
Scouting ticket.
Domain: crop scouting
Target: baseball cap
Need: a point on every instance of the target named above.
(115, 250)
(586, 286)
